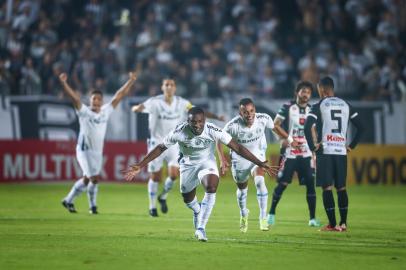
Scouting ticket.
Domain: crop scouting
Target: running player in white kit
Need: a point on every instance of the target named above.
(197, 142)
(164, 113)
(89, 149)
(248, 129)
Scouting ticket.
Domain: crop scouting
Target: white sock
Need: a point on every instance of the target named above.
(206, 207)
(242, 201)
(167, 187)
(262, 196)
(92, 190)
(75, 191)
(152, 193)
(194, 205)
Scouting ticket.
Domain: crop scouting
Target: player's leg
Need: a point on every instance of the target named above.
(325, 179)
(188, 182)
(306, 178)
(153, 182)
(81, 184)
(287, 168)
(77, 189)
(240, 171)
(171, 158)
(342, 196)
(92, 190)
(262, 197)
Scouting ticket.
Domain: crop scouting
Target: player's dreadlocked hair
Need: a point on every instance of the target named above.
(196, 110)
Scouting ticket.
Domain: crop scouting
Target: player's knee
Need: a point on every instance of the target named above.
(211, 189)
(86, 180)
(341, 188)
(327, 188)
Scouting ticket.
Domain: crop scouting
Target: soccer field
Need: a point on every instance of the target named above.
(37, 233)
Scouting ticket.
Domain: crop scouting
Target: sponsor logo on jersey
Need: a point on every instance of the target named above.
(214, 128)
(333, 138)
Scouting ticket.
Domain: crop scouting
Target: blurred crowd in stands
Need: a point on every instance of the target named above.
(213, 48)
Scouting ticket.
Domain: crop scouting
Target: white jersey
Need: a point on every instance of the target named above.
(332, 115)
(164, 117)
(92, 128)
(196, 149)
(294, 117)
(252, 137)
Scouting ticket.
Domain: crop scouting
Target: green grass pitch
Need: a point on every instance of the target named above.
(37, 233)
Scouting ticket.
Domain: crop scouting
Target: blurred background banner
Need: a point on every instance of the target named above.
(27, 160)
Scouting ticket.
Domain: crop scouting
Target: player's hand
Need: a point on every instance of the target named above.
(295, 144)
(135, 108)
(131, 172)
(349, 149)
(63, 77)
(133, 76)
(269, 169)
(317, 147)
(224, 165)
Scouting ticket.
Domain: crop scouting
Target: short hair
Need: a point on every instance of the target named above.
(195, 110)
(246, 101)
(304, 84)
(327, 83)
(96, 92)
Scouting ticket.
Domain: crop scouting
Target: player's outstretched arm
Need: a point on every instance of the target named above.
(245, 153)
(224, 164)
(124, 90)
(135, 169)
(63, 78)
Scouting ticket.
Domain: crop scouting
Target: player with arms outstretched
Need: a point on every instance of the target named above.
(248, 129)
(332, 116)
(165, 111)
(197, 142)
(89, 149)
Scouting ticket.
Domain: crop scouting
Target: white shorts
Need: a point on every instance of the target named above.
(91, 162)
(170, 156)
(242, 169)
(192, 175)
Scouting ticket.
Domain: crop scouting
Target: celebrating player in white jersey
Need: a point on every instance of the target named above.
(248, 129)
(89, 149)
(292, 116)
(331, 116)
(164, 113)
(197, 141)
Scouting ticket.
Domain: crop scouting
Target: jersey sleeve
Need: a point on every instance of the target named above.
(229, 128)
(83, 111)
(352, 112)
(107, 109)
(219, 134)
(315, 111)
(149, 106)
(269, 122)
(283, 112)
(171, 139)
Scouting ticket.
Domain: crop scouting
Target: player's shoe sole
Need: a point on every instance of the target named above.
(164, 205)
(69, 206)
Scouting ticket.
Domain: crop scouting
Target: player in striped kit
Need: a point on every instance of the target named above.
(332, 116)
(248, 129)
(292, 116)
(89, 149)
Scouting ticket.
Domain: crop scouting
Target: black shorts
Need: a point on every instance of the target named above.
(331, 170)
(300, 165)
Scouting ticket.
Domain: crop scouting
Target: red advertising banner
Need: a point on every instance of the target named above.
(27, 160)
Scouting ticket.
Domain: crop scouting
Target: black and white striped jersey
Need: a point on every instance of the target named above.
(332, 115)
(294, 117)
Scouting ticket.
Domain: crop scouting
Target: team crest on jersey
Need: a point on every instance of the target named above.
(327, 104)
